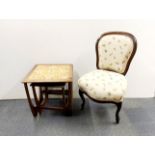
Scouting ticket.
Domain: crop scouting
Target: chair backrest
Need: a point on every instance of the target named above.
(115, 51)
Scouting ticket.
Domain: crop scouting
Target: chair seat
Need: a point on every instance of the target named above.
(103, 85)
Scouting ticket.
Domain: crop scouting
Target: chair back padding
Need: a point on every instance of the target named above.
(115, 51)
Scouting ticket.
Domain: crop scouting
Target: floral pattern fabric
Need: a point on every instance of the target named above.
(103, 85)
(114, 52)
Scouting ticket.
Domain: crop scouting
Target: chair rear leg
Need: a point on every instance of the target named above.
(119, 105)
(83, 99)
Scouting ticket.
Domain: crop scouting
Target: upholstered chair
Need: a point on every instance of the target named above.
(107, 84)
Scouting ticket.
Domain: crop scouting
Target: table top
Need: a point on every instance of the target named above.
(44, 73)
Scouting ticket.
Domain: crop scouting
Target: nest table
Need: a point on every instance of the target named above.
(49, 79)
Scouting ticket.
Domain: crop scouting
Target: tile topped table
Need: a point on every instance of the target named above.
(45, 76)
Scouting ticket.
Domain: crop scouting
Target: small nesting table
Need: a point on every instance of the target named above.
(44, 77)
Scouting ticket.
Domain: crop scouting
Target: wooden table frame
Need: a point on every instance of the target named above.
(41, 99)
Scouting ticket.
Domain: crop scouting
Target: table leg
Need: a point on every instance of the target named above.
(40, 94)
(70, 98)
(33, 109)
(36, 99)
(44, 100)
(46, 96)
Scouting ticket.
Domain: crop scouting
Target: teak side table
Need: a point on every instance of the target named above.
(45, 76)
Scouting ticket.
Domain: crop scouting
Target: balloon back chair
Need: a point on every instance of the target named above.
(107, 84)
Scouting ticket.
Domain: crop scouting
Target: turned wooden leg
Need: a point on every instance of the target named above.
(83, 99)
(119, 105)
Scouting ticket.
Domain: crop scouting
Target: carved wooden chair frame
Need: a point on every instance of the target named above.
(118, 105)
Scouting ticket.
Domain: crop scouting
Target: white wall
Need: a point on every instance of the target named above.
(24, 43)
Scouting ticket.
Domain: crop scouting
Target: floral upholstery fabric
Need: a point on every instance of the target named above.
(103, 85)
(114, 52)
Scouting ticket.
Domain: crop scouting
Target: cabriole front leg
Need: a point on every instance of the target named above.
(83, 99)
(119, 105)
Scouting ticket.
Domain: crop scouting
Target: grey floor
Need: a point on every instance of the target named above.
(137, 118)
